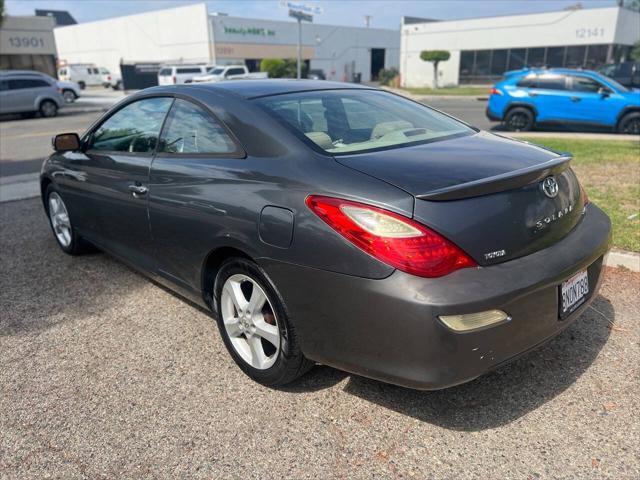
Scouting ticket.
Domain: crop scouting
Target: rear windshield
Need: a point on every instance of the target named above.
(216, 71)
(353, 121)
(164, 72)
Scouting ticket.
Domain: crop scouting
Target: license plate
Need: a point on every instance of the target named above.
(573, 293)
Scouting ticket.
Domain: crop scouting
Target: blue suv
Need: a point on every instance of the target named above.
(525, 98)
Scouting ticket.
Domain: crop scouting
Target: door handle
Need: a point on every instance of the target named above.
(575, 99)
(138, 190)
(533, 94)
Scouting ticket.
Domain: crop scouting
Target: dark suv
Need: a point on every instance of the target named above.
(625, 73)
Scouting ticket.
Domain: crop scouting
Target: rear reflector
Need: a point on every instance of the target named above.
(473, 321)
(391, 238)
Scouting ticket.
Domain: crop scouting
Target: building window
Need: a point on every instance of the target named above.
(575, 57)
(555, 56)
(485, 66)
(499, 62)
(517, 58)
(536, 57)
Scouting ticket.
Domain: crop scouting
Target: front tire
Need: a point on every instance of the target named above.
(519, 119)
(63, 231)
(630, 124)
(69, 96)
(255, 326)
(48, 109)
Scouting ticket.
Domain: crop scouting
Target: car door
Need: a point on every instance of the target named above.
(115, 173)
(235, 73)
(21, 97)
(548, 94)
(592, 101)
(192, 185)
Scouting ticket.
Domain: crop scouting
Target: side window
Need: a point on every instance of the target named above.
(135, 128)
(235, 71)
(189, 70)
(95, 71)
(527, 82)
(88, 71)
(20, 83)
(190, 129)
(585, 84)
(551, 82)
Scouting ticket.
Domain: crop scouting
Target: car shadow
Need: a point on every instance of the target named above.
(508, 393)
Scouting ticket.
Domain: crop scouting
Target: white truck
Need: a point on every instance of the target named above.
(228, 72)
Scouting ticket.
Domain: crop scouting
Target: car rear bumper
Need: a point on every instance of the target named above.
(389, 329)
(492, 116)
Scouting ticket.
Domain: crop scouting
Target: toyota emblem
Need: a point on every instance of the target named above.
(550, 187)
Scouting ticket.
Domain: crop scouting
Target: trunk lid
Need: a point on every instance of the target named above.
(483, 192)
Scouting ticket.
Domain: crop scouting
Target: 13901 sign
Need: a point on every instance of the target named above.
(589, 32)
(32, 41)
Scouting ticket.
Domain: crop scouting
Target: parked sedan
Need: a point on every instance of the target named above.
(29, 93)
(333, 223)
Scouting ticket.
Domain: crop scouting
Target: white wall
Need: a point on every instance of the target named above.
(333, 49)
(568, 27)
(164, 35)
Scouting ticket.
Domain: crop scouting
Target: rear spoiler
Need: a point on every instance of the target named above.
(499, 183)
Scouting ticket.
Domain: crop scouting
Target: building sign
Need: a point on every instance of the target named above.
(27, 36)
(259, 31)
(260, 50)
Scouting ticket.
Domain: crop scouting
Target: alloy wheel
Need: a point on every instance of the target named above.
(518, 121)
(48, 109)
(250, 321)
(60, 219)
(69, 96)
(632, 127)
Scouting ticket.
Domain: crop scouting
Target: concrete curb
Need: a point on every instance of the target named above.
(623, 259)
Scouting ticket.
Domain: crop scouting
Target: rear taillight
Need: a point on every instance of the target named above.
(585, 197)
(495, 91)
(175, 80)
(391, 238)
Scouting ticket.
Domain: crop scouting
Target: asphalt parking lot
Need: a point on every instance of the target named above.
(104, 374)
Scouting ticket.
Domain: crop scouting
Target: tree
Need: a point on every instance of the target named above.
(275, 67)
(435, 57)
(635, 52)
(1, 11)
(279, 68)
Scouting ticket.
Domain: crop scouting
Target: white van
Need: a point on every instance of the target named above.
(84, 74)
(175, 74)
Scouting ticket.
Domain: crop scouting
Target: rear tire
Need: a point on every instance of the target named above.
(48, 109)
(630, 124)
(262, 340)
(519, 119)
(64, 233)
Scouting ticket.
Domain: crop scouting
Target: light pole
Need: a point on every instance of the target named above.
(299, 50)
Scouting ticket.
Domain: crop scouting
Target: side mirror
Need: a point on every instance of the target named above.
(66, 142)
(605, 92)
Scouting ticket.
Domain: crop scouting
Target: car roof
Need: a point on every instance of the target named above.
(252, 88)
(558, 71)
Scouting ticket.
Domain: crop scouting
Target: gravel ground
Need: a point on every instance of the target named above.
(104, 374)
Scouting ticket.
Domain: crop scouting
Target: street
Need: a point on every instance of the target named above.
(107, 375)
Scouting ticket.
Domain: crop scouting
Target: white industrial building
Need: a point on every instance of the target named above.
(190, 34)
(483, 49)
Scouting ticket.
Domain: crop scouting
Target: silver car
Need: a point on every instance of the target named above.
(29, 94)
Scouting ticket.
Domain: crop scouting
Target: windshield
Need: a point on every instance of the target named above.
(216, 71)
(615, 85)
(353, 121)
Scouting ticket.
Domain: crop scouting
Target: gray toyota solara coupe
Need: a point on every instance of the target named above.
(334, 223)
